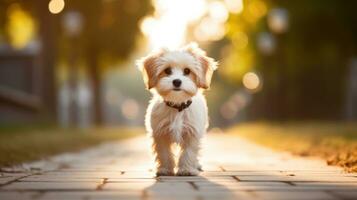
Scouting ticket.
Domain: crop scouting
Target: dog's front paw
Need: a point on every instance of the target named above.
(164, 172)
(187, 172)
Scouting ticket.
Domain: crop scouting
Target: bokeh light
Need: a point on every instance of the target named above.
(251, 81)
(240, 40)
(72, 22)
(56, 6)
(266, 43)
(278, 20)
(209, 30)
(21, 27)
(130, 108)
(218, 11)
(113, 97)
(168, 26)
(234, 6)
(234, 105)
(229, 110)
(255, 10)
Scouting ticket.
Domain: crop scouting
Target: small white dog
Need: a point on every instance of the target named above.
(177, 112)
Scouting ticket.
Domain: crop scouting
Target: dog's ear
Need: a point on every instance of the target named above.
(148, 65)
(208, 64)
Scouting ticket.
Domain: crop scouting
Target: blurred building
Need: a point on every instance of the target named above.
(27, 90)
(62, 47)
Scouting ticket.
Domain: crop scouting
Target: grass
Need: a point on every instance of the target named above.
(21, 144)
(335, 142)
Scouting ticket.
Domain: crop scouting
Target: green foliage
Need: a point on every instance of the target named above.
(110, 27)
(310, 61)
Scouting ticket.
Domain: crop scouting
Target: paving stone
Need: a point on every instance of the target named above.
(196, 179)
(127, 186)
(231, 195)
(326, 186)
(319, 173)
(299, 178)
(119, 180)
(346, 195)
(235, 169)
(280, 165)
(137, 174)
(277, 188)
(98, 174)
(58, 179)
(8, 177)
(63, 196)
(241, 183)
(102, 195)
(319, 178)
(195, 195)
(51, 186)
(308, 184)
(7, 195)
(245, 186)
(289, 195)
(172, 197)
(248, 188)
(240, 173)
(4, 180)
(171, 188)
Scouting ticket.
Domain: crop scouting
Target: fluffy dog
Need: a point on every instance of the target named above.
(177, 112)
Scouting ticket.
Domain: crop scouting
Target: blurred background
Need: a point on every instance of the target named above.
(72, 62)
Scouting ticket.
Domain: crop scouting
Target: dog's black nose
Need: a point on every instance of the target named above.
(177, 82)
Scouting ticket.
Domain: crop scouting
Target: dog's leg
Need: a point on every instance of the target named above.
(188, 162)
(164, 156)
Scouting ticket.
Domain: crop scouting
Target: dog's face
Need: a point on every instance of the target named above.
(177, 75)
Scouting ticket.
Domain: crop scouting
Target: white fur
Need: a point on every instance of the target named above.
(165, 85)
(166, 125)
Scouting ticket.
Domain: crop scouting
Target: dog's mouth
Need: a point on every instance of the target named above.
(177, 89)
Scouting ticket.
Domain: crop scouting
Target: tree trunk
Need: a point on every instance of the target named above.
(96, 85)
(48, 31)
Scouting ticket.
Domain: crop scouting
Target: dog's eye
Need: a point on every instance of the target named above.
(168, 71)
(186, 71)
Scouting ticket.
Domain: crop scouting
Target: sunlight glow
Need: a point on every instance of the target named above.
(231, 108)
(278, 20)
(209, 30)
(130, 108)
(256, 9)
(212, 26)
(251, 81)
(266, 43)
(56, 6)
(234, 6)
(21, 27)
(240, 39)
(173, 20)
(168, 26)
(218, 11)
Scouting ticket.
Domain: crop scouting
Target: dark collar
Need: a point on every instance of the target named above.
(180, 107)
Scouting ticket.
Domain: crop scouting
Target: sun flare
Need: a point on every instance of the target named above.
(172, 19)
(168, 26)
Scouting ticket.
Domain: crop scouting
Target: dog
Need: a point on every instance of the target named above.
(177, 112)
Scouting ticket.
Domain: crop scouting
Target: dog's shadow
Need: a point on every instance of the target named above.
(190, 187)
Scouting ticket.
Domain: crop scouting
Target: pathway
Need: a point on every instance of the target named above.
(234, 169)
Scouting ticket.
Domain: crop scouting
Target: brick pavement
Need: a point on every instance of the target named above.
(234, 169)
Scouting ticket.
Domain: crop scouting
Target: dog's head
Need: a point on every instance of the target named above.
(177, 75)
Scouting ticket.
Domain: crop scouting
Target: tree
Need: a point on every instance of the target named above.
(304, 77)
(109, 35)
